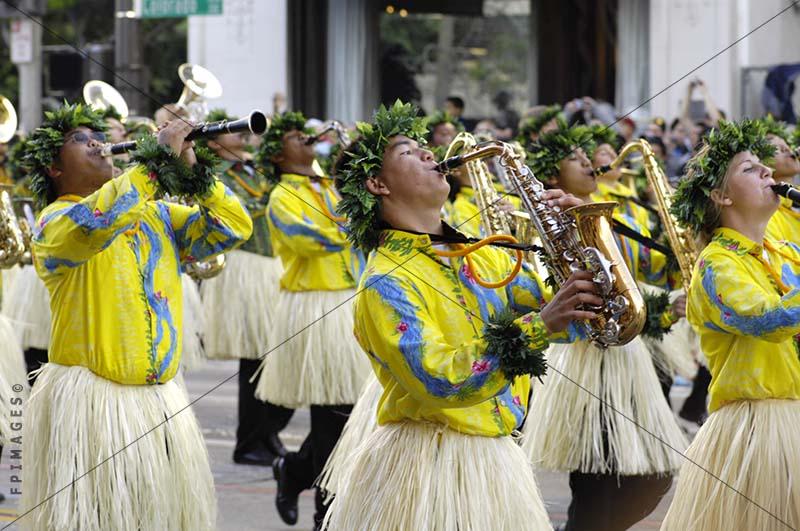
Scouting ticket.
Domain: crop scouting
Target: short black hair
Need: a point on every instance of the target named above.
(456, 101)
(656, 141)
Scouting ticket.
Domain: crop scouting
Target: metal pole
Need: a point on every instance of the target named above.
(30, 82)
(444, 61)
(128, 58)
(533, 54)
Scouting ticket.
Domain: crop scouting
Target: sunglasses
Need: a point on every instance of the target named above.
(83, 138)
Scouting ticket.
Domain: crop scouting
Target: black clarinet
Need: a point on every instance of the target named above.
(256, 122)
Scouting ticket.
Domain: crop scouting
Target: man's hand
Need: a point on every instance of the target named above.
(557, 197)
(562, 310)
(173, 134)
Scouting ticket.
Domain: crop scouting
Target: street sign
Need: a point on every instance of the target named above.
(21, 41)
(176, 8)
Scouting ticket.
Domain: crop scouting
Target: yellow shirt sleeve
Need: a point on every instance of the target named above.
(395, 327)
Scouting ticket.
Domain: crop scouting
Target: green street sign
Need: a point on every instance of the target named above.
(177, 8)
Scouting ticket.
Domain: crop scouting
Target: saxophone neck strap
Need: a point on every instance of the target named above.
(624, 230)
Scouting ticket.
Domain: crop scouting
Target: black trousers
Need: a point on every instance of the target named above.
(305, 466)
(34, 359)
(607, 502)
(695, 406)
(257, 419)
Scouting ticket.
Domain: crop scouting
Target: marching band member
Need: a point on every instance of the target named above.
(785, 224)
(315, 362)
(131, 455)
(744, 302)
(451, 356)
(600, 414)
(540, 120)
(240, 304)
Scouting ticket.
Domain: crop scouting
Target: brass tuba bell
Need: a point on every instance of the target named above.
(199, 85)
(101, 96)
(8, 120)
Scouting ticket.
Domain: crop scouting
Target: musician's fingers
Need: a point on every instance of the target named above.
(582, 315)
(586, 298)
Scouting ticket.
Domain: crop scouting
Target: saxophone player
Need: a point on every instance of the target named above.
(744, 303)
(614, 449)
(452, 357)
(110, 256)
(785, 223)
(242, 297)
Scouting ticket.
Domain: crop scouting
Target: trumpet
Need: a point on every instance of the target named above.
(577, 239)
(256, 122)
(332, 125)
(788, 191)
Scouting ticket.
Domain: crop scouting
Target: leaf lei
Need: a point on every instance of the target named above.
(507, 341)
(706, 169)
(439, 118)
(173, 177)
(362, 159)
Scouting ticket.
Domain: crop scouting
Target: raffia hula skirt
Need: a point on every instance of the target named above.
(362, 422)
(316, 360)
(240, 306)
(158, 477)
(753, 449)
(193, 355)
(678, 351)
(12, 374)
(414, 475)
(26, 303)
(602, 412)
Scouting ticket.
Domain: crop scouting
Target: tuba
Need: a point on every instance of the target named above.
(8, 120)
(101, 96)
(576, 239)
(681, 240)
(493, 220)
(199, 85)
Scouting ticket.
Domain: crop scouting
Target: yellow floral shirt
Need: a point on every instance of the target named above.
(625, 197)
(646, 265)
(746, 321)
(313, 248)
(111, 262)
(463, 213)
(785, 223)
(420, 318)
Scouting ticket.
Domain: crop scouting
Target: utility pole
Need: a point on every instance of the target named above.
(30, 76)
(444, 60)
(128, 61)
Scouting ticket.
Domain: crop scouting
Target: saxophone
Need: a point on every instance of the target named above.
(12, 242)
(493, 219)
(681, 240)
(579, 238)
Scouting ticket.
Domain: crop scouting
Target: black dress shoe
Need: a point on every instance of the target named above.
(286, 497)
(260, 457)
(274, 445)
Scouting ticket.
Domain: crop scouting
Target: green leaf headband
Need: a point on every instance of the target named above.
(775, 127)
(44, 144)
(691, 204)
(272, 141)
(546, 154)
(439, 118)
(534, 124)
(363, 159)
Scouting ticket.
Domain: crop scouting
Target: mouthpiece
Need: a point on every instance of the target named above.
(447, 165)
(788, 191)
(602, 170)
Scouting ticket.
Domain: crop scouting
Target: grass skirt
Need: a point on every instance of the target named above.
(412, 475)
(75, 420)
(754, 447)
(362, 422)
(26, 303)
(240, 307)
(193, 356)
(12, 373)
(323, 363)
(568, 428)
(677, 352)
